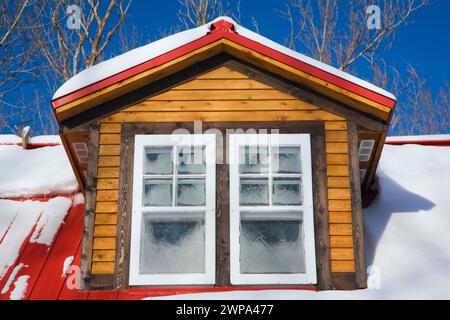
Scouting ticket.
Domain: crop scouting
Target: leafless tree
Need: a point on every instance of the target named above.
(16, 55)
(130, 37)
(422, 110)
(71, 48)
(336, 32)
(58, 38)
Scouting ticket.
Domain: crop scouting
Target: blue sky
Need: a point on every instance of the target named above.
(424, 43)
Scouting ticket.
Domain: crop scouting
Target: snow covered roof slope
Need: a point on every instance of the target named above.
(406, 232)
(429, 140)
(35, 172)
(139, 56)
(6, 139)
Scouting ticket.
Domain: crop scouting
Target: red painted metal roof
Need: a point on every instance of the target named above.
(44, 266)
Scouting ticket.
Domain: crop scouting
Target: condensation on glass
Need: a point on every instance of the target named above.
(271, 241)
(173, 241)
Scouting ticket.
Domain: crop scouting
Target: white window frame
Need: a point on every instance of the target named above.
(302, 140)
(138, 209)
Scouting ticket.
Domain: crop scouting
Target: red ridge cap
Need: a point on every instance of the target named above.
(222, 26)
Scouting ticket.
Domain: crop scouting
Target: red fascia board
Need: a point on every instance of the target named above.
(437, 143)
(241, 40)
(150, 64)
(310, 69)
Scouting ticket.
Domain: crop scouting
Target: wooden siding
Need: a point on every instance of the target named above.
(339, 202)
(223, 95)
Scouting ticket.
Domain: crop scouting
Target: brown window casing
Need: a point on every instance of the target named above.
(316, 129)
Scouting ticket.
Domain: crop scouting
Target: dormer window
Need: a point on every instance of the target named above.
(173, 233)
(173, 219)
(271, 209)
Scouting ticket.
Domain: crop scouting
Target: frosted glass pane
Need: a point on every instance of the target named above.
(254, 192)
(272, 247)
(191, 160)
(286, 191)
(253, 159)
(286, 160)
(191, 192)
(172, 246)
(157, 192)
(158, 160)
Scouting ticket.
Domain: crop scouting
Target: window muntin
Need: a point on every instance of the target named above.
(271, 210)
(173, 217)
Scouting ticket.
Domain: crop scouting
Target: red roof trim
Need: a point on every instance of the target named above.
(150, 64)
(32, 145)
(223, 29)
(437, 143)
(311, 70)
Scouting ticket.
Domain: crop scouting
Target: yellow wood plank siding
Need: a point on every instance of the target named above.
(339, 203)
(208, 99)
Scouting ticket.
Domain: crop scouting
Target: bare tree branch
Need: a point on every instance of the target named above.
(336, 32)
(68, 51)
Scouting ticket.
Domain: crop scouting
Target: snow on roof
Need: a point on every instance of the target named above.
(147, 52)
(407, 243)
(13, 139)
(28, 221)
(406, 237)
(28, 255)
(434, 137)
(35, 172)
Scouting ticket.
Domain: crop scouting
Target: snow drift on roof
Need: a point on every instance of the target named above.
(13, 139)
(33, 220)
(406, 232)
(152, 50)
(28, 173)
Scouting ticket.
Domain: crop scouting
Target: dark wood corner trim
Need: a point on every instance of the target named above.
(321, 225)
(357, 215)
(89, 214)
(122, 262)
(317, 131)
(101, 282)
(344, 280)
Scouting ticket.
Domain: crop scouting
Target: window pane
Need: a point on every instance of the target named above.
(191, 192)
(172, 246)
(191, 160)
(286, 160)
(254, 192)
(272, 246)
(158, 160)
(253, 159)
(157, 192)
(287, 191)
